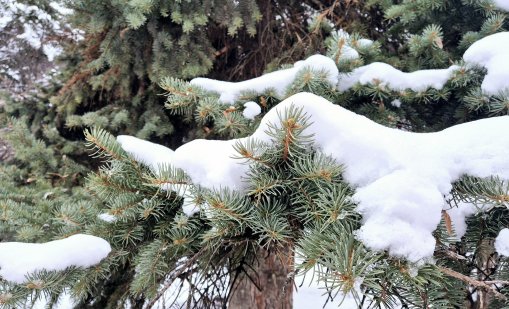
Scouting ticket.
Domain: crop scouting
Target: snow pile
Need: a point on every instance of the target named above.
(502, 242)
(400, 177)
(20, 259)
(502, 4)
(279, 80)
(150, 154)
(392, 78)
(251, 110)
(491, 53)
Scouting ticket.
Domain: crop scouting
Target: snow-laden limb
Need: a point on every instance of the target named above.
(394, 79)
(491, 53)
(151, 154)
(20, 259)
(502, 242)
(502, 4)
(279, 80)
(400, 177)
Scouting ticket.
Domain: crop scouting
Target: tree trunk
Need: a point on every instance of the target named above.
(273, 289)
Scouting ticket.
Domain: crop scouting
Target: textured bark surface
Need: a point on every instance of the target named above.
(272, 289)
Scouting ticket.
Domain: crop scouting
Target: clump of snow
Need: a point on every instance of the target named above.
(491, 53)
(502, 4)
(20, 259)
(458, 215)
(106, 217)
(279, 80)
(502, 242)
(347, 47)
(150, 154)
(392, 78)
(396, 103)
(400, 177)
(251, 110)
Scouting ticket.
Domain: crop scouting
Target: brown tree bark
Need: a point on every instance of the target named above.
(272, 288)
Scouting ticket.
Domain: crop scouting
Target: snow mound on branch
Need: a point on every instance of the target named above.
(491, 53)
(20, 259)
(252, 109)
(279, 80)
(502, 4)
(502, 242)
(150, 154)
(401, 178)
(392, 78)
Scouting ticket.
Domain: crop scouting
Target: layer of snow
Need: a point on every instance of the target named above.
(401, 178)
(150, 154)
(491, 53)
(20, 259)
(392, 78)
(251, 110)
(279, 80)
(502, 242)
(502, 4)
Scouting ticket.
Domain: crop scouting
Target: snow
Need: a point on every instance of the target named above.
(150, 154)
(396, 103)
(394, 79)
(502, 4)
(502, 242)
(279, 80)
(458, 216)
(251, 110)
(348, 52)
(106, 217)
(400, 177)
(18, 260)
(491, 53)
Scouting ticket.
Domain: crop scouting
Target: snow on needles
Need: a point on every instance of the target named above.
(491, 53)
(502, 242)
(279, 80)
(400, 177)
(20, 259)
(392, 78)
(502, 4)
(151, 154)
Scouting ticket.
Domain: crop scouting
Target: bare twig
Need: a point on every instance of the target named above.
(481, 284)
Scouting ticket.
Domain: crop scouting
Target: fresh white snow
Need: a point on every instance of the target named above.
(502, 4)
(394, 79)
(400, 177)
(251, 110)
(279, 80)
(106, 217)
(491, 53)
(502, 242)
(458, 216)
(151, 154)
(20, 259)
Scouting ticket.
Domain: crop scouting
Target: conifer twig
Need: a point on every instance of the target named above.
(481, 284)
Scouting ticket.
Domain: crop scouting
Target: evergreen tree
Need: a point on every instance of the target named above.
(297, 200)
